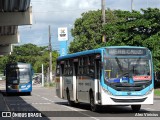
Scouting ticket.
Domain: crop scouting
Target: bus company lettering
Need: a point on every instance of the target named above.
(25, 86)
(126, 51)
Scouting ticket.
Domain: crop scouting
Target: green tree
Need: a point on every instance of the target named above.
(3, 61)
(30, 53)
(137, 28)
(87, 32)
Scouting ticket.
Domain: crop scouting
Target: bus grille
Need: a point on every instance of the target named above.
(128, 100)
(129, 87)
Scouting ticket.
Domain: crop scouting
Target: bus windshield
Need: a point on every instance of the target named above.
(126, 69)
(24, 75)
(13, 76)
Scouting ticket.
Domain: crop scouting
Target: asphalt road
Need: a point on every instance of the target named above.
(43, 101)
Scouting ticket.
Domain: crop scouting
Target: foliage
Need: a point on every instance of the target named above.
(136, 28)
(157, 92)
(30, 53)
(51, 84)
(87, 33)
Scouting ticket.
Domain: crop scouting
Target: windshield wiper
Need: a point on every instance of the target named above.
(118, 62)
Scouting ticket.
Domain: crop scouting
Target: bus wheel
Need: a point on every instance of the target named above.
(70, 103)
(29, 93)
(135, 108)
(94, 107)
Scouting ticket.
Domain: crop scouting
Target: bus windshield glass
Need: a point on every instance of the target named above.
(13, 76)
(127, 70)
(24, 75)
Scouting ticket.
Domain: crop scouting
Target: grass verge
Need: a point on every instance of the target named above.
(51, 84)
(157, 92)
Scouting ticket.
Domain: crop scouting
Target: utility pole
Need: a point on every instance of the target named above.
(103, 3)
(42, 76)
(50, 56)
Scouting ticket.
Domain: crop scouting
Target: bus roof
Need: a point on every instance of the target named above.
(125, 47)
(18, 64)
(87, 52)
(99, 50)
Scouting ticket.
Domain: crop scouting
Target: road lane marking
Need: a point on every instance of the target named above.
(150, 109)
(30, 103)
(44, 98)
(81, 113)
(40, 103)
(69, 108)
(51, 101)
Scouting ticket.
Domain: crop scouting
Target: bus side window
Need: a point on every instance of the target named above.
(85, 65)
(65, 73)
(32, 71)
(80, 66)
(98, 64)
(70, 67)
(62, 68)
(91, 71)
(58, 69)
(91, 66)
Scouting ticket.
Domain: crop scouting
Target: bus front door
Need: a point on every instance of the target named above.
(97, 80)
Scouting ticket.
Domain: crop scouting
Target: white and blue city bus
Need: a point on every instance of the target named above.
(117, 75)
(19, 78)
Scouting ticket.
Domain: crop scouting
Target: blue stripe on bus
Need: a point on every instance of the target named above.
(80, 54)
(130, 93)
(99, 50)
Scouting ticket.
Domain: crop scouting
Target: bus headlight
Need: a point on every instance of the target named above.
(9, 86)
(149, 92)
(108, 92)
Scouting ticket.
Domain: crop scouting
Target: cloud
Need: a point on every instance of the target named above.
(63, 13)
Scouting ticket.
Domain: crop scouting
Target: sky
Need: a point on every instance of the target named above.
(63, 13)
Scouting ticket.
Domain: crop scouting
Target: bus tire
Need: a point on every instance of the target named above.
(94, 107)
(135, 108)
(70, 103)
(29, 93)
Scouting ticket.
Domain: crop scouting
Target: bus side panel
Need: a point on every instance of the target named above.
(25, 87)
(68, 85)
(74, 88)
(107, 99)
(96, 91)
(19, 88)
(84, 85)
(61, 87)
(58, 93)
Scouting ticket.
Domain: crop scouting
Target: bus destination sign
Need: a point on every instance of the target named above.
(126, 51)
